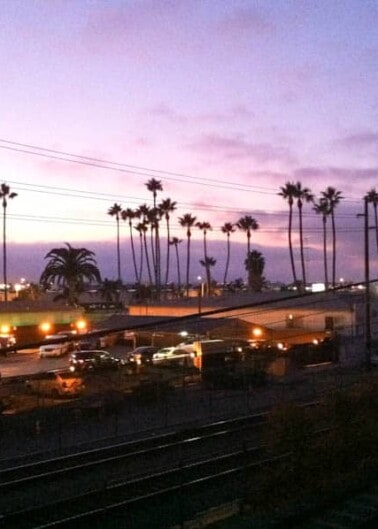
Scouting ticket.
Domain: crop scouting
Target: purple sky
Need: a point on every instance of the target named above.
(223, 101)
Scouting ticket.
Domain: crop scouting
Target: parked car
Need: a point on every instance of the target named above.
(97, 359)
(7, 340)
(142, 355)
(53, 384)
(54, 349)
(177, 358)
(72, 338)
(162, 354)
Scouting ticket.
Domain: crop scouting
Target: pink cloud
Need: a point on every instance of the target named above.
(238, 148)
(360, 140)
(246, 20)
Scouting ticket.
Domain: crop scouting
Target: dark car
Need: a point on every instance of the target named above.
(93, 360)
(142, 355)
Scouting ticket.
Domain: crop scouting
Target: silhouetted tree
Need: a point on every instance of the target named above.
(288, 193)
(5, 194)
(187, 221)
(333, 198)
(115, 211)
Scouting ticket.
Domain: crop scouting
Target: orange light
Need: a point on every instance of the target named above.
(45, 327)
(5, 329)
(257, 332)
(81, 325)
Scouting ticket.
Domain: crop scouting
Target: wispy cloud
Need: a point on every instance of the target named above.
(249, 20)
(237, 147)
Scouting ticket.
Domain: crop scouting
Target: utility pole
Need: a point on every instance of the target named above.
(367, 287)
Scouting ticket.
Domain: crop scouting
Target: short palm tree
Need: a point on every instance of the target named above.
(322, 208)
(333, 198)
(227, 228)
(167, 206)
(115, 211)
(110, 290)
(372, 198)
(208, 262)
(288, 193)
(255, 264)
(248, 224)
(5, 194)
(302, 195)
(70, 268)
(187, 221)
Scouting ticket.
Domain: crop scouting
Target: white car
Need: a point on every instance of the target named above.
(162, 354)
(54, 349)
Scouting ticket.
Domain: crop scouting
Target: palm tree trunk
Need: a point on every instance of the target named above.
(5, 254)
(376, 223)
(187, 266)
(147, 258)
(227, 260)
(302, 248)
(168, 253)
(118, 253)
(178, 268)
(290, 233)
(137, 279)
(333, 250)
(141, 258)
(325, 251)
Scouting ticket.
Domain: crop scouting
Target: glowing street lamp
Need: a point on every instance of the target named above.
(45, 327)
(81, 326)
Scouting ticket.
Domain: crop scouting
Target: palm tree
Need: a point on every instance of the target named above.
(205, 227)
(322, 208)
(302, 195)
(115, 211)
(145, 213)
(372, 198)
(248, 224)
(288, 193)
(129, 214)
(167, 206)
(70, 268)
(175, 242)
(5, 194)
(333, 197)
(110, 290)
(208, 263)
(255, 264)
(142, 228)
(187, 221)
(227, 228)
(154, 186)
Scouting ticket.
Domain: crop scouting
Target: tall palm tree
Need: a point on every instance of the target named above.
(70, 268)
(288, 193)
(302, 195)
(227, 228)
(322, 208)
(175, 242)
(167, 206)
(154, 186)
(372, 197)
(255, 264)
(208, 262)
(5, 194)
(115, 211)
(333, 198)
(129, 215)
(145, 214)
(187, 221)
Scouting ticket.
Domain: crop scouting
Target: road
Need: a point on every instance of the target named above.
(27, 362)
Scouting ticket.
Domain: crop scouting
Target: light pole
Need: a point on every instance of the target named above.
(200, 294)
(367, 284)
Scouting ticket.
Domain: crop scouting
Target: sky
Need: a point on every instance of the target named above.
(223, 101)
